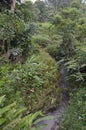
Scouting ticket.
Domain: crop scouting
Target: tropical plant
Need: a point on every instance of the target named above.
(75, 117)
(12, 117)
(52, 50)
(32, 80)
(42, 40)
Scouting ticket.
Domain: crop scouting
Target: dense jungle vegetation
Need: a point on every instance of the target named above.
(36, 39)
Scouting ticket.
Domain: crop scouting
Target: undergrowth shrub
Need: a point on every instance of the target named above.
(52, 50)
(16, 34)
(75, 118)
(12, 117)
(45, 28)
(9, 26)
(41, 40)
(6, 86)
(36, 81)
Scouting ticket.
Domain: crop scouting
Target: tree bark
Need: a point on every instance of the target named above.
(13, 5)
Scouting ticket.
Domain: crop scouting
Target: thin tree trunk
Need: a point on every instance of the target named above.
(13, 5)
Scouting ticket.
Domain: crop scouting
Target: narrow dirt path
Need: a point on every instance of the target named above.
(55, 123)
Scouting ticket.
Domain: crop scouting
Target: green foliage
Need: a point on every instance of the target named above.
(75, 118)
(33, 27)
(41, 6)
(52, 50)
(9, 25)
(71, 13)
(6, 27)
(24, 12)
(66, 24)
(45, 28)
(81, 28)
(76, 4)
(41, 40)
(6, 88)
(57, 20)
(33, 79)
(76, 65)
(34, 83)
(11, 117)
(70, 24)
(27, 83)
(58, 4)
(4, 5)
(16, 34)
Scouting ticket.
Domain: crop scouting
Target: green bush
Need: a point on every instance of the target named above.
(71, 13)
(44, 28)
(9, 26)
(31, 83)
(41, 40)
(16, 34)
(52, 50)
(57, 20)
(12, 117)
(75, 118)
(36, 79)
(6, 86)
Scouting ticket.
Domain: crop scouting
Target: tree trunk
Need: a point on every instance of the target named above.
(13, 5)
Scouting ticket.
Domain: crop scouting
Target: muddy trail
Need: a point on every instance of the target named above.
(55, 123)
